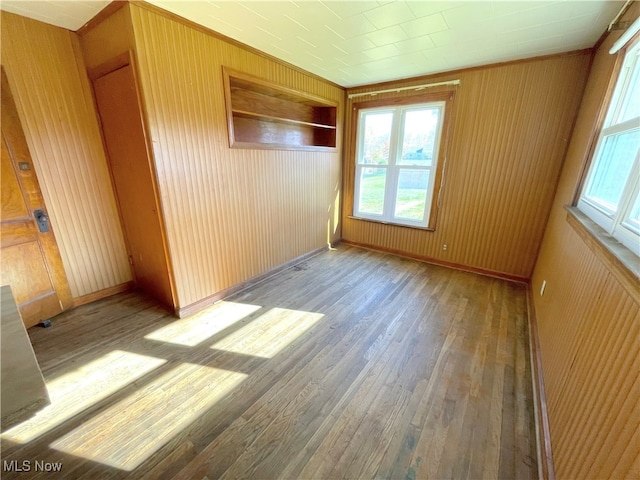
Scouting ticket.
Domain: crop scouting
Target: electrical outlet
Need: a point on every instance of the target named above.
(444, 246)
(544, 285)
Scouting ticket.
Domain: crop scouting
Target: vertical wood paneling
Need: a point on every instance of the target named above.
(511, 125)
(588, 324)
(107, 39)
(589, 328)
(52, 93)
(230, 214)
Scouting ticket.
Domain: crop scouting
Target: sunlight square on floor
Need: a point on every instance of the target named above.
(76, 391)
(270, 333)
(121, 438)
(195, 329)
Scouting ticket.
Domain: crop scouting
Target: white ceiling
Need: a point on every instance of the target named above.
(69, 14)
(361, 42)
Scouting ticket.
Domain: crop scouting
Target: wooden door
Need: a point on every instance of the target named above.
(123, 131)
(31, 262)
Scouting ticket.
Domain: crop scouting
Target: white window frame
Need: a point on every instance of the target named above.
(394, 167)
(615, 219)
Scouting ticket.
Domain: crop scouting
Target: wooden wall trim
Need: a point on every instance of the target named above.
(546, 470)
(460, 71)
(104, 293)
(109, 66)
(195, 307)
(441, 263)
(196, 26)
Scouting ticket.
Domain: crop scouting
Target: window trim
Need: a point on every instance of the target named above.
(611, 223)
(445, 97)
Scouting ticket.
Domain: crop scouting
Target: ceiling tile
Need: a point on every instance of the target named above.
(314, 55)
(222, 26)
(533, 52)
(580, 26)
(288, 54)
(355, 59)
(399, 61)
(505, 8)
(355, 44)
(538, 43)
(422, 8)
(354, 26)
(593, 8)
(222, 10)
(479, 57)
(255, 9)
(387, 35)
(288, 20)
(435, 58)
(425, 25)
(389, 14)
(534, 16)
(350, 8)
(415, 44)
(307, 13)
(467, 13)
(379, 53)
(462, 35)
(306, 42)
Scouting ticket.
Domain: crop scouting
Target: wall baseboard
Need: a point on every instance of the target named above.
(195, 307)
(441, 263)
(546, 470)
(104, 293)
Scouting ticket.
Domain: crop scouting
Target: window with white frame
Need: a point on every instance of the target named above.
(397, 163)
(611, 194)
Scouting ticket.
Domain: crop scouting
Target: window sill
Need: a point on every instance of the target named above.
(623, 264)
(391, 223)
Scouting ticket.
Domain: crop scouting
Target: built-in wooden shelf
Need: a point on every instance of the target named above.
(262, 114)
(243, 113)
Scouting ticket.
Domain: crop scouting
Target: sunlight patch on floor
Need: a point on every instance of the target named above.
(129, 432)
(270, 333)
(76, 391)
(192, 330)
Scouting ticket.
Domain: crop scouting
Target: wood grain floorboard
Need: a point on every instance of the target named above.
(353, 364)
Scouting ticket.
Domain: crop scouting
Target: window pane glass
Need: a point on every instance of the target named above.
(412, 194)
(633, 221)
(377, 137)
(631, 106)
(372, 185)
(612, 169)
(420, 127)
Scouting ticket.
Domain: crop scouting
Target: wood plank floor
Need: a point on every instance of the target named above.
(353, 364)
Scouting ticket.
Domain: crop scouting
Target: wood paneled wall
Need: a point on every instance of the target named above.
(106, 40)
(588, 324)
(47, 76)
(231, 214)
(510, 128)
